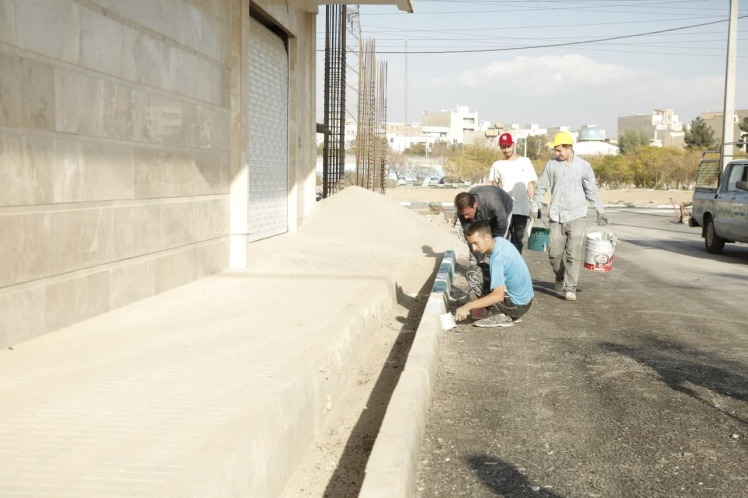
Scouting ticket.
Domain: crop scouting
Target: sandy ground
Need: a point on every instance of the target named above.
(371, 232)
(618, 196)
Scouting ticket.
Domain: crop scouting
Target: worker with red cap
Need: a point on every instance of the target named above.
(516, 175)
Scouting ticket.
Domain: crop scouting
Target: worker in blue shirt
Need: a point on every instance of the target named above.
(507, 291)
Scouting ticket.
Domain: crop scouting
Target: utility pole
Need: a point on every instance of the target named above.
(728, 123)
(405, 117)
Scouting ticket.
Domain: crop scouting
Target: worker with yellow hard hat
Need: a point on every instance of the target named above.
(572, 184)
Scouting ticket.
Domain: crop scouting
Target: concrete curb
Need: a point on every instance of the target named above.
(393, 462)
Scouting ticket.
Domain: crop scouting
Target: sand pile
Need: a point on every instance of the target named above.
(356, 231)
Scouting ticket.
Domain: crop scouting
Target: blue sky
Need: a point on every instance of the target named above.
(501, 76)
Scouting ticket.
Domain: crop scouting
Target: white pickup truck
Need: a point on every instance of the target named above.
(720, 203)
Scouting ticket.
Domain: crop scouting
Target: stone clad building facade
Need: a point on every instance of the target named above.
(139, 149)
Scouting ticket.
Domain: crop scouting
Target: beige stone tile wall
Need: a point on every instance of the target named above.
(115, 150)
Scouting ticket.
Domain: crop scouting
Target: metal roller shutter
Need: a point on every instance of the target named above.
(268, 133)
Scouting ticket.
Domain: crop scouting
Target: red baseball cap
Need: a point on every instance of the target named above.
(505, 139)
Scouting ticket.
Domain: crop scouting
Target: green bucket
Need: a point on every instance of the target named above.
(538, 240)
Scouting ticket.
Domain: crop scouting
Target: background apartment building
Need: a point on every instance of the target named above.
(714, 121)
(450, 125)
(661, 126)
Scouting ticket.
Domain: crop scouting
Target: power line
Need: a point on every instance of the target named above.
(562, 44)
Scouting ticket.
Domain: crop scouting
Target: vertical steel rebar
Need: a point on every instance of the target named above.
(333, 155)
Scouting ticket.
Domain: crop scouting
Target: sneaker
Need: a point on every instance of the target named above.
(559, 286)
(570, 296)
(500, 320)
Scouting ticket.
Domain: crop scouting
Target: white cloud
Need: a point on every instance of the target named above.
(574, 89)
(541, 76)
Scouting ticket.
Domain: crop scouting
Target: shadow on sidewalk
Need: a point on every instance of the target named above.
(349, 474)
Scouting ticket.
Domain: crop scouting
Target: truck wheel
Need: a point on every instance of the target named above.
(714, 243)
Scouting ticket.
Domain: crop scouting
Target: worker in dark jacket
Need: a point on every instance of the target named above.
(485, 203)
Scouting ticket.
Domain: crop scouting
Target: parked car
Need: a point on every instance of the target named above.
(453, 180)
(720, 203)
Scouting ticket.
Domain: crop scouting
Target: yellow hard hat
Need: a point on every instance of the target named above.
(561, 138)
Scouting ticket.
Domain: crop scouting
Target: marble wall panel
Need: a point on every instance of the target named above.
(94, 106)
(219, 85)
(137, 231)
(49, 27)
(178, 68)
(27, 251)
(189, 21)
(10, 89)
(77, 299)
(211, 128)
(190, 264)
(92, 171)
(212, 258)
(7, 22)
(202, 80)
(101, 43)
(210, 37)
(220, 8)
(81, 238)
(26, 169)
(142, 55)
(175, 269)
(156, 15)
(213, 168)
(37, 95)
(176, 173)
(21, 316)
(132, 282)
(167, 120)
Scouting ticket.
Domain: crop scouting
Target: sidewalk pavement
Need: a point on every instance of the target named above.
(217, 387)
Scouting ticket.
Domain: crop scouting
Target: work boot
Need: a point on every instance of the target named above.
(559, 286)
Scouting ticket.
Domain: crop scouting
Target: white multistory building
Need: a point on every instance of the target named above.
(662, 127)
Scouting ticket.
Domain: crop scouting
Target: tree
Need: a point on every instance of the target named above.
(472, 163)
(397, 165)
(440, 148)
(743, 125)
(699, 136)
(417, 149)
(630, 140)
(536, 146)
(613, 171)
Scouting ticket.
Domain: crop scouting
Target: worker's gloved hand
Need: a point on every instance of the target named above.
(534, 211)
(602, 220)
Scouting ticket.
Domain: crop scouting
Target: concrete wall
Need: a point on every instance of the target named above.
(122, 149)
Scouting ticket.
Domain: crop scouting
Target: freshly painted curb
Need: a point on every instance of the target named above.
(393, 462)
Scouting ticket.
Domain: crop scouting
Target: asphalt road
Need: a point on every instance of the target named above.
(640, 388)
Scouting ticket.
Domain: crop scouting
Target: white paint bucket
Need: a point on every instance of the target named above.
(599, 254)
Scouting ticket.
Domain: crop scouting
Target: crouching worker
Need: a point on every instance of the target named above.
(507, 293)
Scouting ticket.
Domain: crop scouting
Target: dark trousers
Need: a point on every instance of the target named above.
(517, 227)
